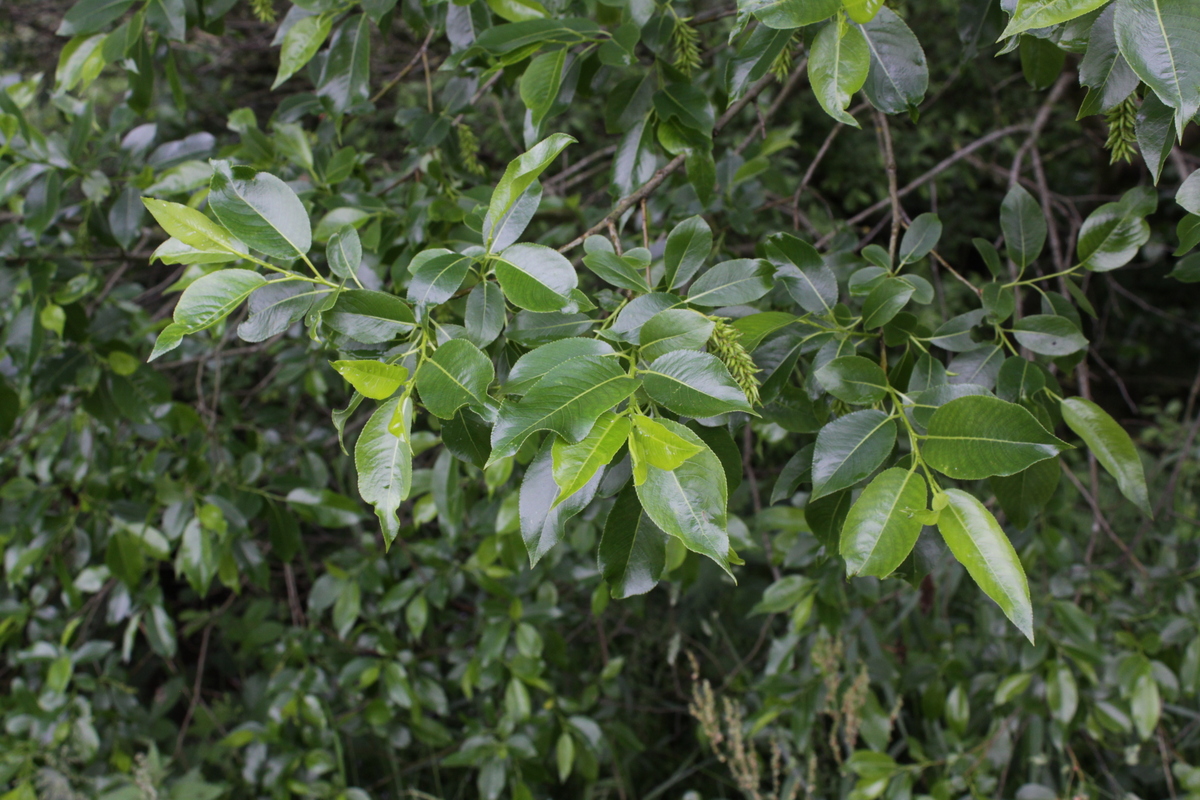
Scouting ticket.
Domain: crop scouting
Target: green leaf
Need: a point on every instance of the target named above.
(686, 103)
(436, 276)
(1111, 445)
(885, 301)
(1041, 61)
(346, 70)
(756, 327)
(789, 14)
(1049, 335)
(368, 316)
(533, 366)
(373, 379)
(838, 65)
(619, 271)
(689, 502)
(1187, 270)
(976, 540)
(849, 449)
(1188, 194)
(536, 277)
(211, 298)
(854, 379)
(688, 246)
(1024, 226)
(1155, 131)
(90, 16)
(344, 253)
(898, 75)
(730, 283)
(754, 58)
(518, 10)
(674, 329)
(651, 444)
(485, 314)
(540, 83)
(468, 437)
(1024, 495)
(1112, 234)
(694, 384)
(520, 173)
(976, 437)
(275, 306)
(168, 339)
(543, 517)
(173, 251)
(567, 400)
(884, 523)
(1104, 70)
(632, 318)
(192, 228)
(457, 374)
(862, 11)
(1161, 41)
(261, 210)
(300, 44)
(576, 464)
(1145, 706)
(383, 461)
(803, 272)
(633, 550)
(564, 756)
(920, 238)
(1031, 14)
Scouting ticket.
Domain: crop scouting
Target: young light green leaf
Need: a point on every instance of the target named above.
(536, 277)
(192, 228)
(689, 502)
(575, 464)
(979, 544)
(260, 209)
(977, 436)
(211, 298)
(884, 523)
(694, 384)
(652, 444)
(383, 461)
(373, 379)
(457, 374)
(837, 68)
(1111, 445)
(849, 449)
(567, 400)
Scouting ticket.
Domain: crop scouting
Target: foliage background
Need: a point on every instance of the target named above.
(311, 662)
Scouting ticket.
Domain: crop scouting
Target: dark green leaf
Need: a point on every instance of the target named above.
(694, 384)
(674, 329)
(854, 379)
(457, 374)
(838, 65)
(368, 316)
(976, 437)
(884, 523)
(542, 521)
(1111, 445)
(1024, 226)
(633, 550)
(1049, 335)
(688, 246)
(536, 278)
(849, 449)
(261, 210)
(898, 75)
(732, 283)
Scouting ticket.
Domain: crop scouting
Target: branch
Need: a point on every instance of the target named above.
(672, 166)
(889, 164)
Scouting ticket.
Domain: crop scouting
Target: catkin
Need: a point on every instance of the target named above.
(723, 343)
(1122, 138)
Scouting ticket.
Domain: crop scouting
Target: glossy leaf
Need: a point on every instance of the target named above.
(543, 517)
(633, 550)
(574, 465)
(1103, 69)
(1112, 234)
(521, 172)
(789, 14)
(261, 210)
(192, 228)
(898, 76)
(976, 437)
(457, 374)
(1031, 14)
(694, 384)
(485, 314)
(651, 444)
(369, 316)
(1049, 335)
(849, 449)
(436, 276)
(536, 277)
(531, 367)
(743, 280)
(688, 246)
(1025, 494)
(1161, 41)
(854, 379)
(344, 253)
(276, 306)
(837, 68)
(979, 544)
(689, 502)
(884, 523)
(674, 329)
(567, 400)
(1024, 226)
(372, 379)
(383, 461)
(1111, 445)
(300, 44)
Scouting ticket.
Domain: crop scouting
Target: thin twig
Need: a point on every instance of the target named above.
(889, 165)
(406, 69)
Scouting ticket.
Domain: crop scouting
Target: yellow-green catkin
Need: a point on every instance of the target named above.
(264, 10)
(781, 67)
(1122, 139)
(724, 343)
(685, 46)
(468, 149)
